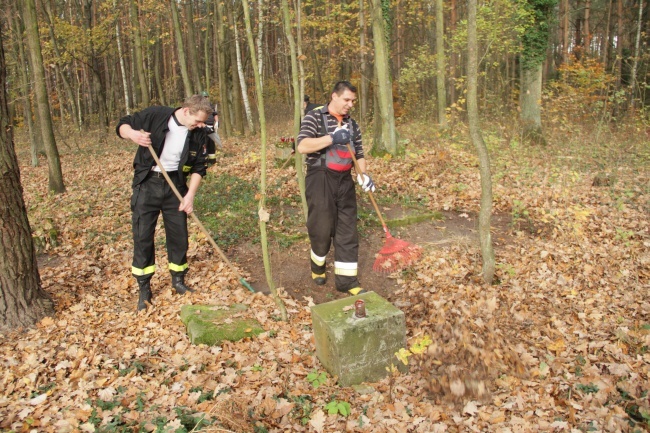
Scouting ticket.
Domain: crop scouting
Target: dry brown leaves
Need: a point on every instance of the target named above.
(560, 344)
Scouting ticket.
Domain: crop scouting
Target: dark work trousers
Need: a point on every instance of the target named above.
(332, 214)
(150, 198)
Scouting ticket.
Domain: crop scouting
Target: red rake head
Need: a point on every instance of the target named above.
(396, 255)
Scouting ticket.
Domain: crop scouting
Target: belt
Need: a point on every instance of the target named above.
(159, 173)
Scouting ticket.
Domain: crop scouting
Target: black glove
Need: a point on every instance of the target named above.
(340, 136)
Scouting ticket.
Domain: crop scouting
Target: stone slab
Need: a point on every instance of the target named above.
(212, 324)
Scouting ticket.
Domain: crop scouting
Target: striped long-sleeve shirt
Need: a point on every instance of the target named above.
(311, 127)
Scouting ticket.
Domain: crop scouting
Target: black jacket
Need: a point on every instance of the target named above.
(154, 120)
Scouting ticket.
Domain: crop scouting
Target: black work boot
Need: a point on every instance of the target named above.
(145, 294)
(178, 283)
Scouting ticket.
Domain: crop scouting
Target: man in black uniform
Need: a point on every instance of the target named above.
(329, 188)
(178, 138)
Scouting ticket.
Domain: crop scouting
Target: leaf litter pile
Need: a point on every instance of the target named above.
(560, 342)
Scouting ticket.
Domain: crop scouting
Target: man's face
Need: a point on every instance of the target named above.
(196, 120)
(343, 103)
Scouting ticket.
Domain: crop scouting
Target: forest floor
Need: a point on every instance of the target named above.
(559, 342)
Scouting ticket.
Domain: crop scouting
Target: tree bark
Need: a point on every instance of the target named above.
(66, 83)
(260, 41)
(364, 67)
(120, 54)
(487, 251)
(635, 62)
(440, 66)
(24, 89)
(529, 103)
(142, 85)
(187, 86)
(224, 107)
(242, 83)
(23, 302)
(55, 175)
(237, 110)
(385, 130)
(192, 48)
(262, 204)
(297, 102)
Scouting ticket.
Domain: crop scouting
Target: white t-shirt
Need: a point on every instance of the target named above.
(174, 143)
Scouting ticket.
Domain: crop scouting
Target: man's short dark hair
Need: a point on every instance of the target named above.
(342, 86)
(306, 98)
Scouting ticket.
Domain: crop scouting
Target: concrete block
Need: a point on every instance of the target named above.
(212, 324)
(358, 350)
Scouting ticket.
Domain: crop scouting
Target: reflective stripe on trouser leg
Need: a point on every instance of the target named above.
(345, 269)
(175, 222)
(346, 238)
(320, 217)
(145, 207)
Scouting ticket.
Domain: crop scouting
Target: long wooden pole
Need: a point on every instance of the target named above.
(198, 223)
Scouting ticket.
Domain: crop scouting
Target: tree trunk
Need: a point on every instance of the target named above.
(120, 54)
(192, 48)
(260, 41)
(224, 107)
(297, 101)
(242, 83)
(487, 251)
(262, 204)
(441, 88)
(529, 103)
(236, 92)
(364, 67)
(388, 140)
(23, 302)
(24, 89)
(608, 30)
(141, 85)
(187, 86)
(55, 183)
(635, 63)
(565, 32)
(66, 83)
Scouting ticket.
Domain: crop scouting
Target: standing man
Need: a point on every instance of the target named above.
(329, 188)
(179, 140)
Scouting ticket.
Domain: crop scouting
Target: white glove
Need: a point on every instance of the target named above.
(366, 182)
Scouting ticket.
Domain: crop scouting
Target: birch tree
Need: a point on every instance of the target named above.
(242, 83)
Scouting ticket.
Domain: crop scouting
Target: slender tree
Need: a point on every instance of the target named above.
(262, 212)
(385, 132)
(535, 44)
(364, 66)
(297, 101)
(485, 213)
(224, 111)
(142, 85)
(242, 83)
(187, 86)
(192, 47)
(440, 66)
(23, 302)
(24, 89)
(55, 177)
(120, 55)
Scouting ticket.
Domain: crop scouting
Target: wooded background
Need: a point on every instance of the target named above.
(105, 58)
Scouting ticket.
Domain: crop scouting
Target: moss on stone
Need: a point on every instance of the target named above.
(212, 324)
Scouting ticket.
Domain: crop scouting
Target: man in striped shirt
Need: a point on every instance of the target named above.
(324, 137)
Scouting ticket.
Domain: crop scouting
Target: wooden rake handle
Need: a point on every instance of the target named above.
(372, 198)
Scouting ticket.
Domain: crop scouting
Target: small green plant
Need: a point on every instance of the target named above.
(338, 407)
(256, 367)
(303, 407)
(589, 388)
(316, 378)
